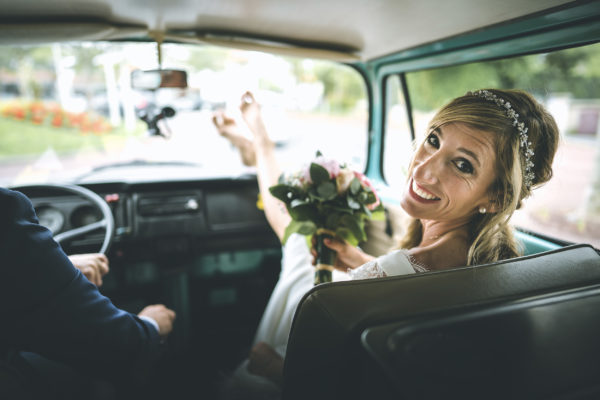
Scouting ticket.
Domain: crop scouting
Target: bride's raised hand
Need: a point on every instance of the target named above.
(228, 128)
(348, 256)
(252, 115)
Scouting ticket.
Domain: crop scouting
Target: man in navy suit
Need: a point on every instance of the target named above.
(49, 308)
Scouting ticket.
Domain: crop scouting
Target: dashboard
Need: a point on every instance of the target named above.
(203, 211)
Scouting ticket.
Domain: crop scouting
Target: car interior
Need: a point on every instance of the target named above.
(181, 220)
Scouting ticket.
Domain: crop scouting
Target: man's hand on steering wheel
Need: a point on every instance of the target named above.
(93, 265)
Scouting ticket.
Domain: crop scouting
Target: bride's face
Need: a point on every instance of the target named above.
(451, 175)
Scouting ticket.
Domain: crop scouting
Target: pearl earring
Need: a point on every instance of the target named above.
(482, 210)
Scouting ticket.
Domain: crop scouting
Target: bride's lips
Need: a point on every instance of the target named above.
(423, 192)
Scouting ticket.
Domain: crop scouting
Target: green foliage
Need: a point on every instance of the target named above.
(575, 71)
(343, 86)
(321, 203)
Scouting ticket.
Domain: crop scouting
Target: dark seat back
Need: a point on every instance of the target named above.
(537, 348)
(325, 358)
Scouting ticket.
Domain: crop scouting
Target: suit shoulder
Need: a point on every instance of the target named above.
(16, 210)
(13, 202)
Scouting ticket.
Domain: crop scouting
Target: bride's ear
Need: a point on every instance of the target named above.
(492, 205)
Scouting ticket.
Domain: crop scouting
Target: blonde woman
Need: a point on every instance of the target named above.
(484, 153)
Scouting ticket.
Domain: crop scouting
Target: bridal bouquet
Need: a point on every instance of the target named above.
(327, 199)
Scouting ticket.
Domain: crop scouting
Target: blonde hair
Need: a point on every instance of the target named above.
(491, 237)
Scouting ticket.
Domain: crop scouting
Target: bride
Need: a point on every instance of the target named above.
(483, 154)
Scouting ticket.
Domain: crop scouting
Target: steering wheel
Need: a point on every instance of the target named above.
(107, 222)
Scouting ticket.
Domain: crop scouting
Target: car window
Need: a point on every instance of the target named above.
(67, 111)
(567, 82)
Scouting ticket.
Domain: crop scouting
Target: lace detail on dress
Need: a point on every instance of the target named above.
(398, 262)
(367, 271)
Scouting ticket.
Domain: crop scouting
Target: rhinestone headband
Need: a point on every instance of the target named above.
(525, 144)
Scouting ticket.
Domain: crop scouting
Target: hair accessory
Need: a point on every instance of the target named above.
(482, 210)
(525, 144)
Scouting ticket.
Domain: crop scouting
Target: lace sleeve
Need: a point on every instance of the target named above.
(398, 262)
(367, 271)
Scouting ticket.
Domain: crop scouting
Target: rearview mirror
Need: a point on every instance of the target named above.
(158, 78)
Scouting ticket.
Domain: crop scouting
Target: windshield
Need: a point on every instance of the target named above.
(68, 112)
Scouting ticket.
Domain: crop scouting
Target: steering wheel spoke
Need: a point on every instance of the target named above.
(82, 230)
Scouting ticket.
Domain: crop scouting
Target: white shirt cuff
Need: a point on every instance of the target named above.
(151, 321)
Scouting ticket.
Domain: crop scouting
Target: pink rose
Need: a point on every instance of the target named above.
(365, 182)
(332, 166)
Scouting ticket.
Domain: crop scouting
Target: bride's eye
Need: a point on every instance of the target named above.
(464, 166)
(433, 140)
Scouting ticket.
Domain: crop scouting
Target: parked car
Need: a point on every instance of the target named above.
(356, 80)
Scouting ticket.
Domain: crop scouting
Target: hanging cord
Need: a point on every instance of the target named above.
(159, 37)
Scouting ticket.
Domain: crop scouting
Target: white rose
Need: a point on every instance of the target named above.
(343, 180)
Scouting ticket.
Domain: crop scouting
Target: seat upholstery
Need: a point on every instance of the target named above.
(324, 355)
(536, 348)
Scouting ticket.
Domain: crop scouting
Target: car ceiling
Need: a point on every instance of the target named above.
(352, 29)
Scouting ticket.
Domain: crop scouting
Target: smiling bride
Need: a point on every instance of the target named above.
(483, 154)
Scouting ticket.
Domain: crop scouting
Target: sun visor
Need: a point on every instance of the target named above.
(267, 46)
(28, 34)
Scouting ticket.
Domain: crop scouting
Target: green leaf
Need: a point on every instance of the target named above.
(303, 228)
(353, 204)
(307, 228)
(370, 198)
(280, 192)
(366, 210)
(332, 221)
(355, 227)
(338, 209)
(305, 212)
(318, 174)
(347, 235)
(362, 198)
(355, 186)
(289, 230)
(297, 202)
(326, 190)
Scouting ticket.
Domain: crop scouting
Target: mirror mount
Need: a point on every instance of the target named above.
(152, 115)
(158, 78)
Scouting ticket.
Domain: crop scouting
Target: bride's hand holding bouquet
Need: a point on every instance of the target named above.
(327, 200)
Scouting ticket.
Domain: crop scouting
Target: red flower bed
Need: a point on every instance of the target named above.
(53, 115)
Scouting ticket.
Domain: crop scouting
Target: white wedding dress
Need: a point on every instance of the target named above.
(297, 278)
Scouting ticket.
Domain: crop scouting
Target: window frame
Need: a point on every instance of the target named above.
(560, 28)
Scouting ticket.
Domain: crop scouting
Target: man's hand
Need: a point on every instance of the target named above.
(93, 266)
(348, 256)
(163, 316)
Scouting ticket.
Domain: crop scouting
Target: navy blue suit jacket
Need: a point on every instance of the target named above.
(48, 307)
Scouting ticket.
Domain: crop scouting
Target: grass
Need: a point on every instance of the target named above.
(18, 138)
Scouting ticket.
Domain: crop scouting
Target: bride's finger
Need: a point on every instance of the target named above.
(218, 118)
(248, 98)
